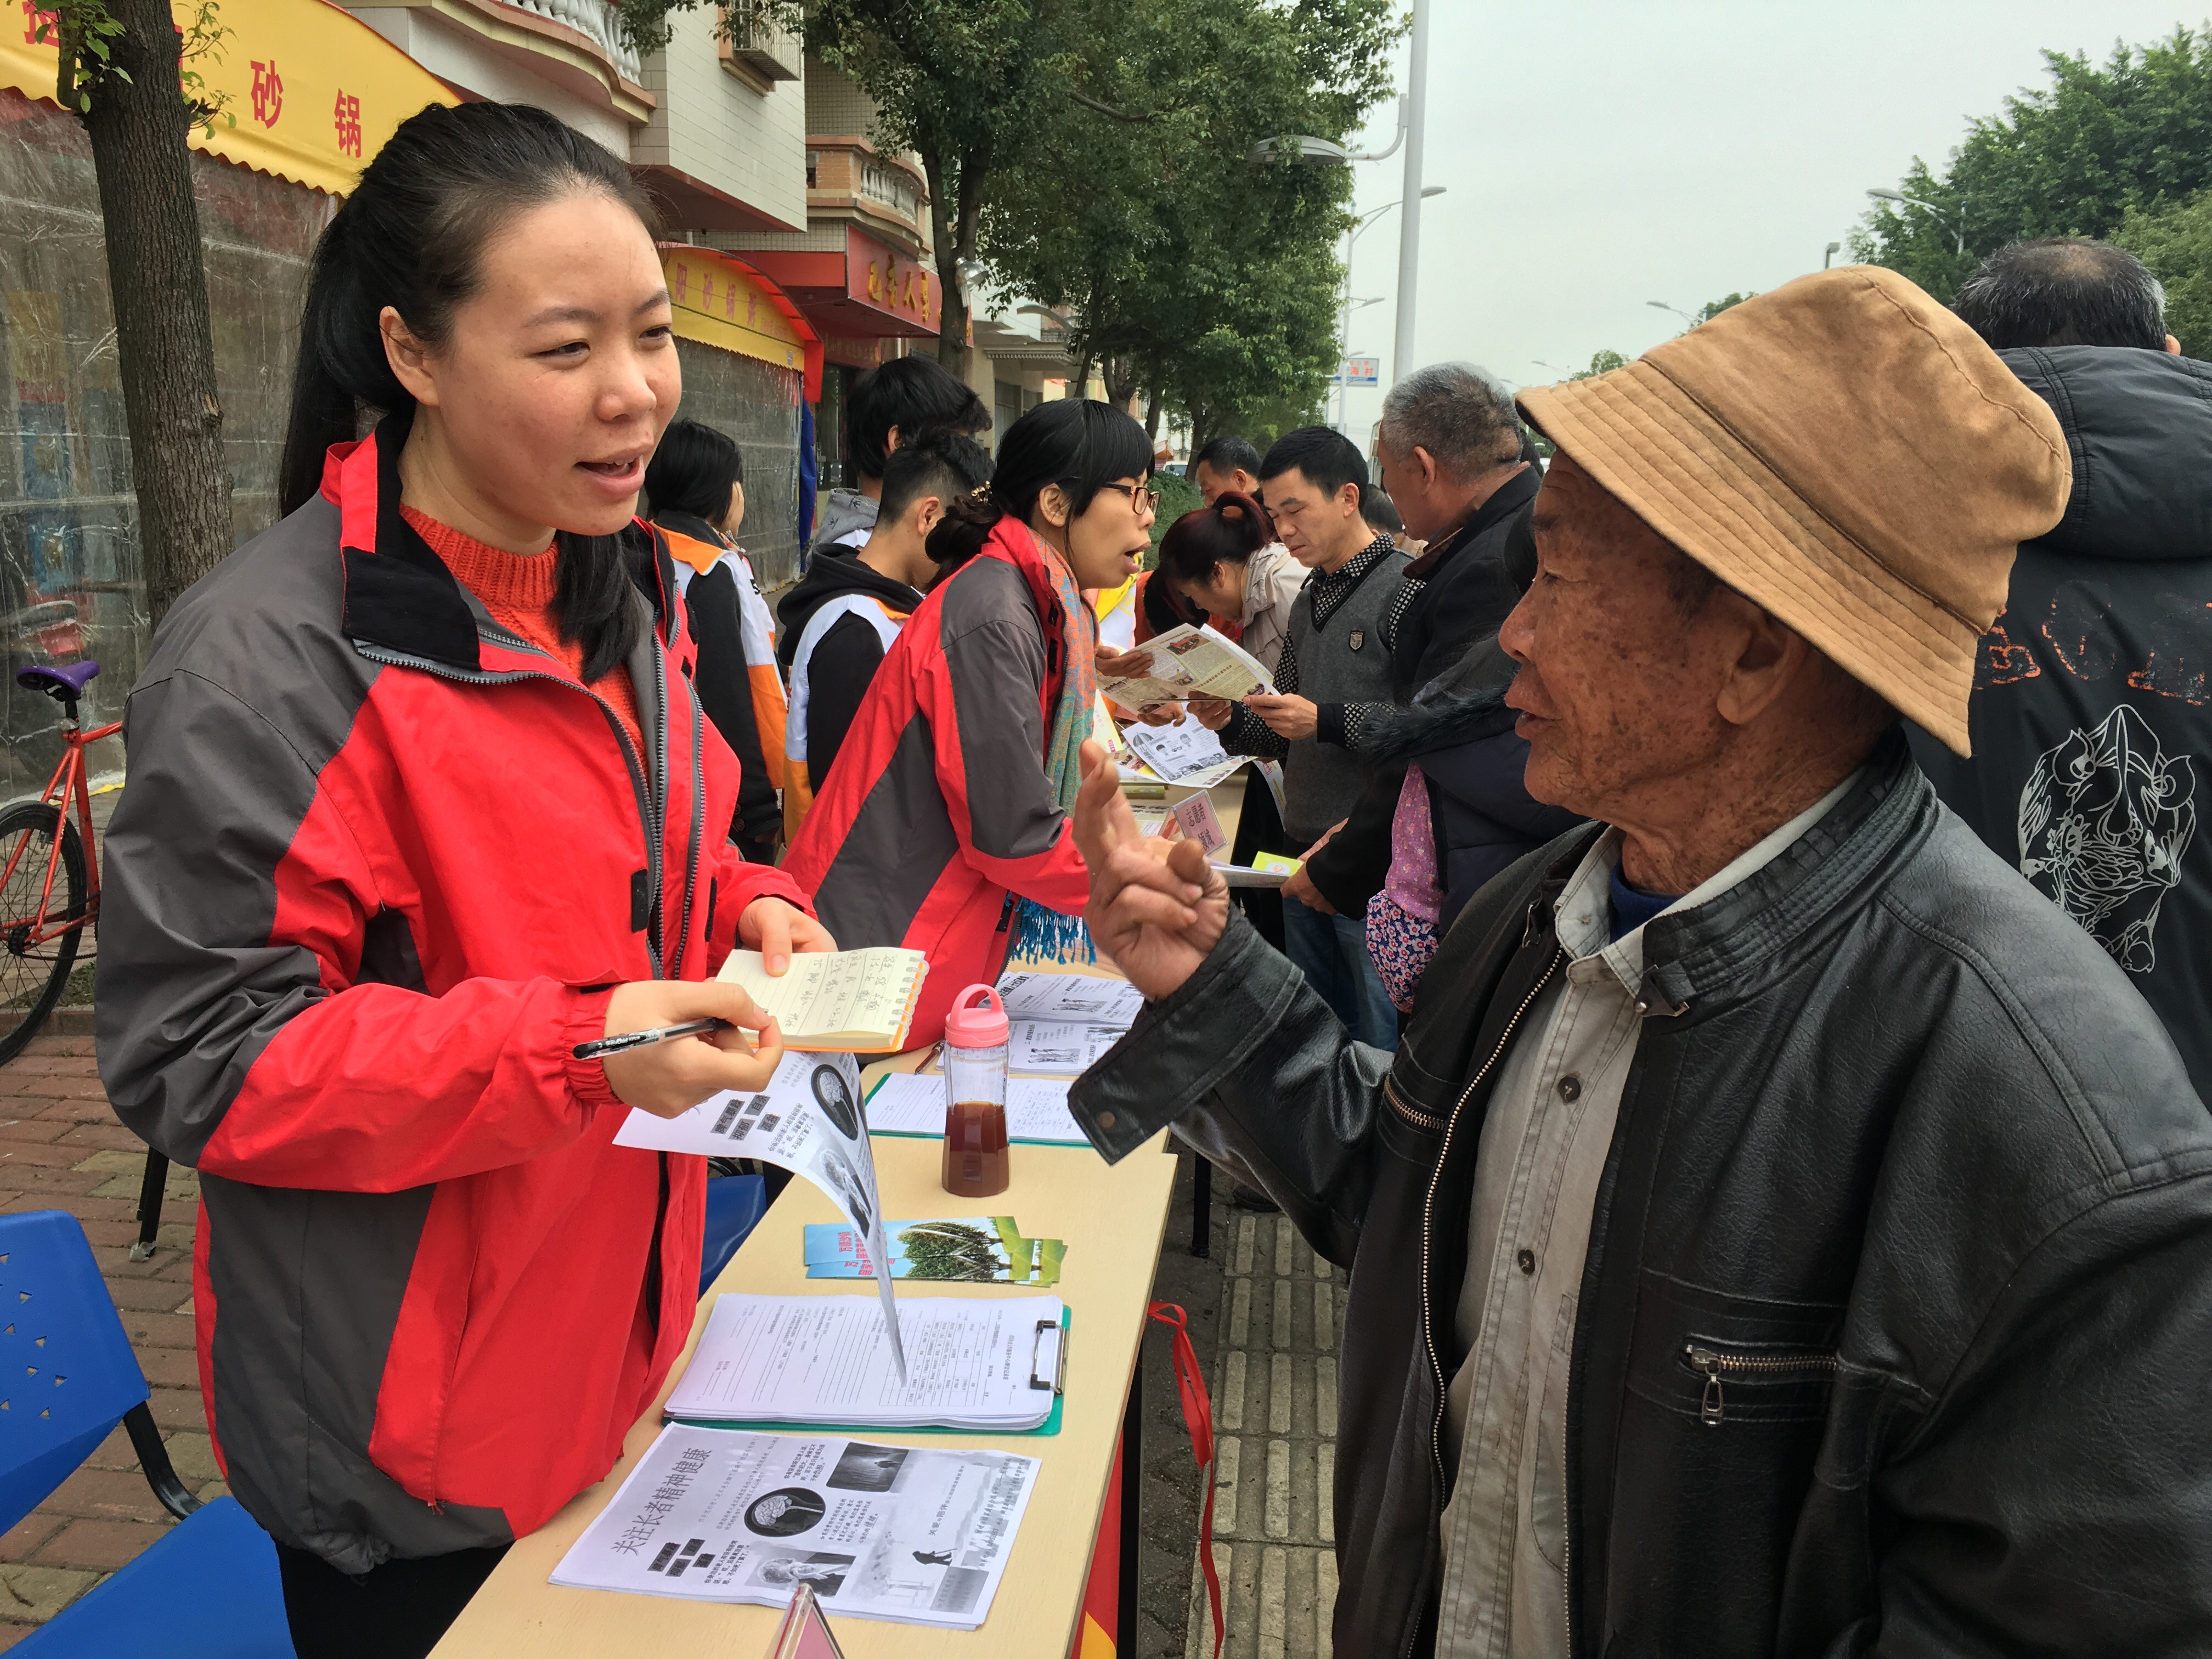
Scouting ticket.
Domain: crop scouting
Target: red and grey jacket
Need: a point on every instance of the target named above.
(378, 864)
(939, 814)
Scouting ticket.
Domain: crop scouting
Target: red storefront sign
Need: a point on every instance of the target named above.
(868, 289)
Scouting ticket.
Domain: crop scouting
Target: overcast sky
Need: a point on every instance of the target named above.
(1599, 154)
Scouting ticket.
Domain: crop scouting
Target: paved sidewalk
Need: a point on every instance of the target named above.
(1274, 1379)
(61, 1148)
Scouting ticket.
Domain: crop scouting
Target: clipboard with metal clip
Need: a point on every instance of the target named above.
(1057, 1382)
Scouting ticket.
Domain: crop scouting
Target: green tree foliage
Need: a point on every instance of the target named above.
(1192, 273)
(1601, 362)
(2176, 243)
(964, 84)
(2074, 159)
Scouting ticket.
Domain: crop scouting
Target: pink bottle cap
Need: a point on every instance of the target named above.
(976, 1027)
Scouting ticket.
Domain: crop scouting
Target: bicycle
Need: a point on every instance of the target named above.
(50, 882)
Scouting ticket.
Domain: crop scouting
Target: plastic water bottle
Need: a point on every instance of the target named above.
(976, 1047)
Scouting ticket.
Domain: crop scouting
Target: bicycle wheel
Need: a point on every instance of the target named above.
(32, 976)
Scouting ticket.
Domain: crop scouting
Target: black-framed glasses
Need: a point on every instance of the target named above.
(1151, 496)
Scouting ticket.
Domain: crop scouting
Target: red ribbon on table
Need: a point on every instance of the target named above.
(1198, 1419)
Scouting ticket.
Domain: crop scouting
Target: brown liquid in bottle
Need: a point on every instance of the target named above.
(976, 1161)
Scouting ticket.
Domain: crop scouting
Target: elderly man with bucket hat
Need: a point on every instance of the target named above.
(1780, 1230)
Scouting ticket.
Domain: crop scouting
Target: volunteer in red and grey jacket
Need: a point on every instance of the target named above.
(420, 798)
(944, 825)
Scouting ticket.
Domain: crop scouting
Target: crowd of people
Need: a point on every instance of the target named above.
(1738, 1016)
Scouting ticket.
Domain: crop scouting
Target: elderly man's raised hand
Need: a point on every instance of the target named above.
(1157, 907)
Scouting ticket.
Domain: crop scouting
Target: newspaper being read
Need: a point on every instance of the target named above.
(811, 1120)
(916, 1534)
(1188, 662)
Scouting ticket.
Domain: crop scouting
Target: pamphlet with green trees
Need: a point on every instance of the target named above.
(977, 1249)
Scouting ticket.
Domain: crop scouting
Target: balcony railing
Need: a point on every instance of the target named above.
(597, 22)
(890, 186)
(754, 45)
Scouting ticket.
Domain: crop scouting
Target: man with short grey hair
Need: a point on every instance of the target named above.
(1779, 1231)
(1453, 456)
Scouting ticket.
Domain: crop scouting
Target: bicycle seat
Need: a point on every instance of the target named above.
(63, 683)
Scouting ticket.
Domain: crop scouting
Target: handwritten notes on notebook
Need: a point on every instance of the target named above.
(838, 1000)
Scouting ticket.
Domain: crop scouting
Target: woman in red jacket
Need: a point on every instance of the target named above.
(420, 799)
(944, 825)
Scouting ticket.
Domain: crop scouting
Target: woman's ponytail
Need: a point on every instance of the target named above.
(959, 536)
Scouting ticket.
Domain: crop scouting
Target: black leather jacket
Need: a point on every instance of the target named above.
(1900, 1144)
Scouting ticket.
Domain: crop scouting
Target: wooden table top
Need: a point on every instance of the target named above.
(1112, 1218)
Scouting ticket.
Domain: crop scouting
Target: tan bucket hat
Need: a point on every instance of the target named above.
(1844, 453)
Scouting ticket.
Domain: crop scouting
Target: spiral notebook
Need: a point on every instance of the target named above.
(859, 1001)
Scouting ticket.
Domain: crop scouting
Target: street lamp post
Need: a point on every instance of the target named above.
(1832, 250)
(1687, 317)
(1956, 226)
(1350, 241)
(1402, 360)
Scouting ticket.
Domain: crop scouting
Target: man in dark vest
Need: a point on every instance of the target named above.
(1335, 667)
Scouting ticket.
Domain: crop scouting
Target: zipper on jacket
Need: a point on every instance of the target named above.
(639, 783)
(1762, 1368)
(1428, 1220)
(1005, 913)
(1567, 1532)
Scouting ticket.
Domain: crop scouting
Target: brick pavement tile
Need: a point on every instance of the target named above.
(89, 1109)
(115, 1260)
(104, 1495)
(48, 1155)
(30, 1065)
(59, 1045)
(99, 1546)
(37, 1594)
(22, 1177)
(110, 1135)
(147, 1295)
(178, 1408)
(116, 1452)
(10, 1634)
(20, 1541)
(121, 1230)
(174, 1368)
(85, 1206)
(157, 1330)
(67, 1088)
(111, 1160)
(16, 1126)
(192, 1456)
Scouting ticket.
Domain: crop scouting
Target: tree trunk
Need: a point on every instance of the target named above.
(1120, 382)
(1153, 402)
(952, 313)
(164, 345)
(955, 215)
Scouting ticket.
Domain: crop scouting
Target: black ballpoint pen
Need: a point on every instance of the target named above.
(600, 1048)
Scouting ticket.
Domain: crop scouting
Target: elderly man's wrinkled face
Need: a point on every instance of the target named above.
(1621, 653)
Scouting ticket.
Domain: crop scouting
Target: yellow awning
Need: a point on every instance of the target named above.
(313, 91)
(721, 300)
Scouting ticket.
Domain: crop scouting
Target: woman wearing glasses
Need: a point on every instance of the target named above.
(944, 825)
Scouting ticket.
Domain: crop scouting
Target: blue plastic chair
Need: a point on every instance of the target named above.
(208, 1588)
(735, 1205)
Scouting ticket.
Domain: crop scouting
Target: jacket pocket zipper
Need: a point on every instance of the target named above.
(1758, 1368)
